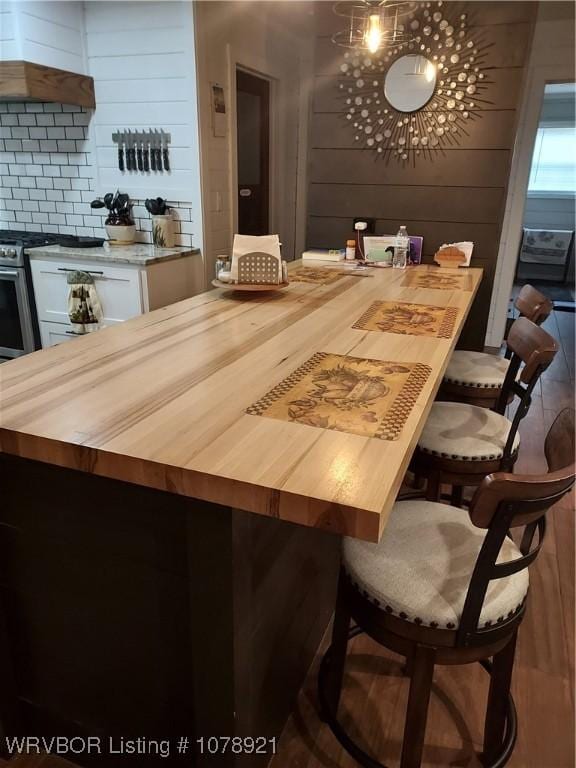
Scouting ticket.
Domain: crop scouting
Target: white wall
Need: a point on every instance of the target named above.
(271, 39)
(551, 60)
(50, 33)
(141, 56)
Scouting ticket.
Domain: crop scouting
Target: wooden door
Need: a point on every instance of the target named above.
(253, 142)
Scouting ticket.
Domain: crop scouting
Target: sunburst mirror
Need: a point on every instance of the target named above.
(417, 95)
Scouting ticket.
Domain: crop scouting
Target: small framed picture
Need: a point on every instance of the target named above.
(381, 248)
(218, 109)
(416, 243)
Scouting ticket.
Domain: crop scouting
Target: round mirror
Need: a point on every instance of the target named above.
(410, 83)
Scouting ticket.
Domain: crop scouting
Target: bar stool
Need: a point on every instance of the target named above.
(477, 377)
(461, 443)
(446, 588)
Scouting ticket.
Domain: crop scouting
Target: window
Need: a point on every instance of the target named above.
(554, 160)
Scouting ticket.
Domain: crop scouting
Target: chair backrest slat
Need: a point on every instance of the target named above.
(504, 501)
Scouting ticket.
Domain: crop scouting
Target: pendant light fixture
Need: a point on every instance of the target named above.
(373, 25)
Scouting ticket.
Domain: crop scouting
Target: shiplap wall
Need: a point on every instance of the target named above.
(460, 193)
(141, 56)
(43, 32)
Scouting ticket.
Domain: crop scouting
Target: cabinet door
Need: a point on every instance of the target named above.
(118, 290)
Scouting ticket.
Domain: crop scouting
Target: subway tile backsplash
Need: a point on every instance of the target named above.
(47, 179)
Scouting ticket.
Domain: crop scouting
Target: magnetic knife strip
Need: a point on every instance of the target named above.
(143, 151)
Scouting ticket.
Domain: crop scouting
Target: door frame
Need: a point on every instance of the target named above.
(511, 236)
(267, 143)
(253, 66)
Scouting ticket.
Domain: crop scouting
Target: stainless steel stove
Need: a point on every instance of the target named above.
(18, 324)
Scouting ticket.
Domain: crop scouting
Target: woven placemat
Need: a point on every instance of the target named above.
(411, 319)
(314, 275)
(457, 282)
(372, 398)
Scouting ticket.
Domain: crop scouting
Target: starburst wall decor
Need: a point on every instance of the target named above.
(417, 96)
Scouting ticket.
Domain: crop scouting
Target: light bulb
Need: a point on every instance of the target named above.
(430, 72)
(373, 36)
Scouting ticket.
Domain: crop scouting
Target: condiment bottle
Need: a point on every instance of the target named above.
(350, 250)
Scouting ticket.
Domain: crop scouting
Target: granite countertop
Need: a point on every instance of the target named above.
(140, 254)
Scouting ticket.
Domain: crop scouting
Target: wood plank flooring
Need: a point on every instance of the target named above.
(375, 693)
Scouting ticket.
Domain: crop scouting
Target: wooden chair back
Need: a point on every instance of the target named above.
(505, 501)
(533, 349)
(532, 304)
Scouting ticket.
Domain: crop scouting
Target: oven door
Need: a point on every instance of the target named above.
(16, 334)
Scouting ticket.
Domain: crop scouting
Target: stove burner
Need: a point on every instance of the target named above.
(27, 239)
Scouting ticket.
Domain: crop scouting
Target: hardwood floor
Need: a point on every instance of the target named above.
(375, 692)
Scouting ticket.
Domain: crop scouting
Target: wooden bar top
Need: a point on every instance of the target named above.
(161, 400)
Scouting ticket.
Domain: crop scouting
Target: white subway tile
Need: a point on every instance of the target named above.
(23, 216)
(38, 133)
(62, 184)
(69, 170)
(26, 119)
(71, 108)
(33, 106)
(27, 181)
(45, 119)
(13, 145)
(55, 194)
(63, 119)
(22, 133)
(37, 194)
(43, 182)
(20, 194)
(30, 205)
(13, 205)
(55, 133)
(51, 170)
(48, 145)
(74, 219)
(52, 107)
(31, 145)
(47, 206)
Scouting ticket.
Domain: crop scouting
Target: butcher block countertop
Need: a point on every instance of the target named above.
(162, 400)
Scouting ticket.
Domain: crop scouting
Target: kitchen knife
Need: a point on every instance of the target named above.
(131, 153)
(152, 153)
(120, 137)
(165, 157)
(158, 150)
(145, 153)
(139, 157)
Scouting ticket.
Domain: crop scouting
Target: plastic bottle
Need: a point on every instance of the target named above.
(350, 250)
(401, 249)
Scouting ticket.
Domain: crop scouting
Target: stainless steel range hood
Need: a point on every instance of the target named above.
(25, 81)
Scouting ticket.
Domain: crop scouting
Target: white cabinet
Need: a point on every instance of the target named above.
(124, 290)
(118, 289)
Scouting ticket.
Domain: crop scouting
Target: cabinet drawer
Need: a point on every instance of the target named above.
(55, 333)
(118, 289)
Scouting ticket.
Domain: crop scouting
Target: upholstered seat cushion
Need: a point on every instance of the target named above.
(476, 369)
(421, 569)
(465, 432)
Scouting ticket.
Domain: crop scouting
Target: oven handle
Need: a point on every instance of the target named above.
(8, 273)
(89, 271)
